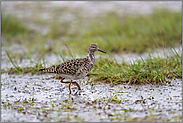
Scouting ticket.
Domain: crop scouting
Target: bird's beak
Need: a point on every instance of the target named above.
(101, 51)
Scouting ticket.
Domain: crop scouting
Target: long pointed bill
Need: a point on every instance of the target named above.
(101, 51)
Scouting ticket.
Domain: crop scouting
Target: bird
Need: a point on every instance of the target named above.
(75, 69)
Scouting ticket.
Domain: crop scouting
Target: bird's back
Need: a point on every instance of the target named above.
(77, 68)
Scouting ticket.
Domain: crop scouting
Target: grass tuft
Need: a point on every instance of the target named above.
(150, 71)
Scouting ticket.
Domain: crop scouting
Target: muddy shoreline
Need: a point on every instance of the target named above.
(100, 102)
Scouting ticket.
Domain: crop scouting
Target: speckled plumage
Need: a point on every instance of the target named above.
(71, 69)
(75, 68)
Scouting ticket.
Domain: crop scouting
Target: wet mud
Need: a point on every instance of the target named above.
(43, 98)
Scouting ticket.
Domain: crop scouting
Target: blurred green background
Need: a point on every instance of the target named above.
(66, 29)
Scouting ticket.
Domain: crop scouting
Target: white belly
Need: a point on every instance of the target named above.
(74, 77)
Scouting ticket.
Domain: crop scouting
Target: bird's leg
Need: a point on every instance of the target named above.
(70, 86)
(79, 88)
(62, 80)
(67, 82)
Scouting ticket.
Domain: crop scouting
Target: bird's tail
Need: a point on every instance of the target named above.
(49, 70)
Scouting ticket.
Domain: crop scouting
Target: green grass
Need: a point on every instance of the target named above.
(116, 33)
(112, 32)
(149, 71)
(23, 70)
(11, 26)
(107, 70)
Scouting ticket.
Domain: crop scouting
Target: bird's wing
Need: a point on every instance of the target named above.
(69, 67)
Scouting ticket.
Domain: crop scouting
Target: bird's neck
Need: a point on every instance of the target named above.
(91, 57)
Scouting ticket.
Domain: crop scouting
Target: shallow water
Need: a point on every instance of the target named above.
(100, 102)
(95, 103)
